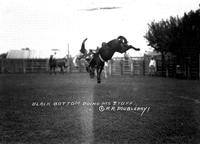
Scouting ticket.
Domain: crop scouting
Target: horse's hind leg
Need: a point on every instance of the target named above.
(62, 69)
(50, 70)
(54, 70)
(98, 76)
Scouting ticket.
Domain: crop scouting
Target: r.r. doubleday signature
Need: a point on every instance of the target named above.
(141, 109)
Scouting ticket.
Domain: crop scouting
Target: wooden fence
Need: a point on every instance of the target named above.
(23, 65)
(137, 66)
(117, 66)
(35, 66)
(130, 66)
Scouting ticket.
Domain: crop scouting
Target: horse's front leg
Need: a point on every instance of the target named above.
(99, 70)
(98, 75)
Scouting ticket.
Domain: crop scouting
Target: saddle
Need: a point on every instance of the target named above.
(104, 44)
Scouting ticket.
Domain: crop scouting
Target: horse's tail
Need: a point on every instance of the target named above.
(123, 39)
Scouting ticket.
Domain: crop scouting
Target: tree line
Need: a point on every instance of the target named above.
(179, 36)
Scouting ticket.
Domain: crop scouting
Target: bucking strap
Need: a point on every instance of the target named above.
(101, 58)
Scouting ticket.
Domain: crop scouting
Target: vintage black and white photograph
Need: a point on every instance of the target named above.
(99, 72)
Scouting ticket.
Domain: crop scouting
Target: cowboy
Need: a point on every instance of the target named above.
(152, 66)
(83, 51)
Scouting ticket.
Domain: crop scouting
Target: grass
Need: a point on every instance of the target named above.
(173, 117)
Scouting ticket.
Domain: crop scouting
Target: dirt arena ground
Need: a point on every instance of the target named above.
(74, 109)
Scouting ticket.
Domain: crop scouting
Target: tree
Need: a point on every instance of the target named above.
(180, 36)
(3, 55)
(176, 35)
(162, 35)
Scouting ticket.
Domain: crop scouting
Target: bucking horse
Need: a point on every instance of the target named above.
(106, 52)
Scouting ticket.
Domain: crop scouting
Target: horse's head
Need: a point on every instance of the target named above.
(124, 46)
(122, 39)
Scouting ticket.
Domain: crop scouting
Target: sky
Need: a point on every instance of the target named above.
(44, 25)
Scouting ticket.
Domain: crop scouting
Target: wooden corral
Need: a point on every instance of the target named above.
(137, 66)
(187, 68)
(127, 66)
(23, 65)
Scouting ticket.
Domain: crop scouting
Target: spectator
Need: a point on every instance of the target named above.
(152, 67)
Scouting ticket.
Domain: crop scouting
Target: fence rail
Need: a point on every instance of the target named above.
(117, 66)
(131, 66)
(23, 65)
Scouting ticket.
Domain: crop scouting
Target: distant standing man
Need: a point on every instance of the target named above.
(152, 67)
(52, 64)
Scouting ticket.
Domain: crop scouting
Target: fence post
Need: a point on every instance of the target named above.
(31, 65)
(167, 67)
(79, 66)
(24, 66)
(144, 68)
(121, 66)
(199, 66)
(70, 65)
(132, 64)
(47, 65)
(110, 67)
(1, 65)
